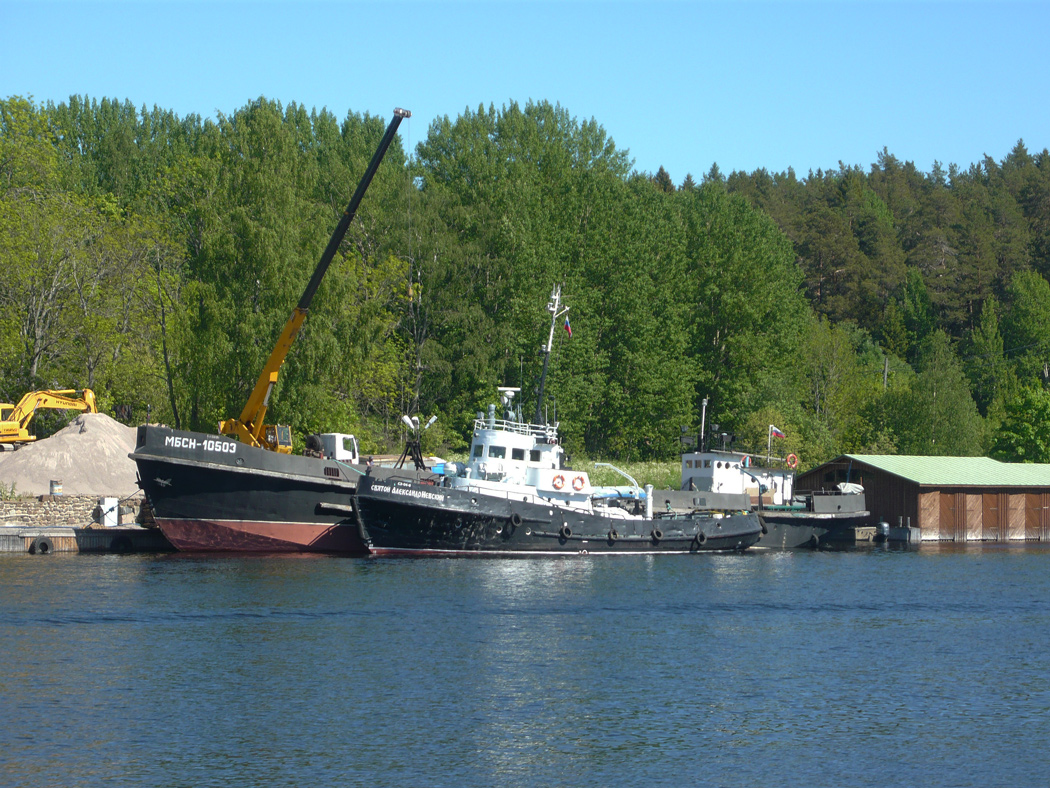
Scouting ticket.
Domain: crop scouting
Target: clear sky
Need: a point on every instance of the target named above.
(683, 85)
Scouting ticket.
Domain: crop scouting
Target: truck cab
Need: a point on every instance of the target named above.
(340, 446)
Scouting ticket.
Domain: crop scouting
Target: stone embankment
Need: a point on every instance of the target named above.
(76, 490)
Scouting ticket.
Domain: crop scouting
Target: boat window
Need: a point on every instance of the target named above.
(688, 463)
(479, 450)
(718, 464)
(517, 454)
(499, 452)
(707, 463)
(534, 455)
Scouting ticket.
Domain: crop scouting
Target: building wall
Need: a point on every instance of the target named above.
(954, 514)
(888, 498)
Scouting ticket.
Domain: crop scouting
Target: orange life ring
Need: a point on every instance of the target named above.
(558, 482)
(577, 483)
(792, 461)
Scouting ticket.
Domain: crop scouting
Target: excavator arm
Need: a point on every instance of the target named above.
(251, 428)
(14, 428)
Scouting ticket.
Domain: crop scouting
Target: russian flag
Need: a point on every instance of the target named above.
(568, 327)
(775, 432)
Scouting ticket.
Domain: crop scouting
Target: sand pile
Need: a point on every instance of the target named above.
(89, 457)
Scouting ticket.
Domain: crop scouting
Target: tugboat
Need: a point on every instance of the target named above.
(244, 489)
(515, 496)
(790, 518)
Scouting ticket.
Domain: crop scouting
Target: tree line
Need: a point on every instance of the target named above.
(155, 259)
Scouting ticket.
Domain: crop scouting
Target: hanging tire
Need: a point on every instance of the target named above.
(701, 537)
(515, 519)
(41, 546)
(657, 534)
(814, 541)
(613, 536)
(565, 532)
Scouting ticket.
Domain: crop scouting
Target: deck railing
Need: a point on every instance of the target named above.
(546, 432)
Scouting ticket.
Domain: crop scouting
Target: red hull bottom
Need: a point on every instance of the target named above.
(261, 537)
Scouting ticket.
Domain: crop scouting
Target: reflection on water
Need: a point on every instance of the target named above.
(866, 667)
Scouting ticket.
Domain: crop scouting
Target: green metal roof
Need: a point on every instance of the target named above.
(958, 471)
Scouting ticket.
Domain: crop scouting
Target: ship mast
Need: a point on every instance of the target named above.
(556, 310)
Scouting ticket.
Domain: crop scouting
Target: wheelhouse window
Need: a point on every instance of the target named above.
(534, 455)
(479, 450)
(517, 454)
(499, 452)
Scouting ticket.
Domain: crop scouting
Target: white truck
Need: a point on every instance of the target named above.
(340, 446)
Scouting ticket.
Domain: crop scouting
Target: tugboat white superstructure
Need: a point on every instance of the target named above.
(789, 518)
(515, 496)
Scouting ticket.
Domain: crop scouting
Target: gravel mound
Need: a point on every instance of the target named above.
(89, 456)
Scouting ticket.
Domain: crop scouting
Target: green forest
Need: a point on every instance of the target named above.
(155, 259)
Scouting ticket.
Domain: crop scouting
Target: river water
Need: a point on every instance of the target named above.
(922, 667)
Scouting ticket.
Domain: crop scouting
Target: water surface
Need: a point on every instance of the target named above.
(869, 667)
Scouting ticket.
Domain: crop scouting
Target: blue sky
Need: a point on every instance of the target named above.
(680, 84)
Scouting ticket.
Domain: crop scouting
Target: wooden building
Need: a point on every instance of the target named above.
(955, 499)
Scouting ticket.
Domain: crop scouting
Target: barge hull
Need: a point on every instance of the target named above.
(261, 537)
(209, 493)
(788, 531)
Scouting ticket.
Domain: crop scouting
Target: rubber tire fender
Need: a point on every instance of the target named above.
(41, 546)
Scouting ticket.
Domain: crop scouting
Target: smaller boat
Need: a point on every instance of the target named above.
(790, 518)
(516, 496)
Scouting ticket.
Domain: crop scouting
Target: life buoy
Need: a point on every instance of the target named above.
(565, 532)
(792, 461)
(558, 482)
(577, 483)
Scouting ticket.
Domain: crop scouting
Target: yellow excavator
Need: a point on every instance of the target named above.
(14, 419)
(250, 428)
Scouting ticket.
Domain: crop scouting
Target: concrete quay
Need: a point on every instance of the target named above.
(58, 539)
(78, 524)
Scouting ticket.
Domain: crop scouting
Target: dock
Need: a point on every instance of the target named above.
(45, 540)
(45, 524)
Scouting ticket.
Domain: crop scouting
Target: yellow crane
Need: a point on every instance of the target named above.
(250, 427)
(14, 419)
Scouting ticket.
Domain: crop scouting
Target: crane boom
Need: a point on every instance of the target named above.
(250, 427)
